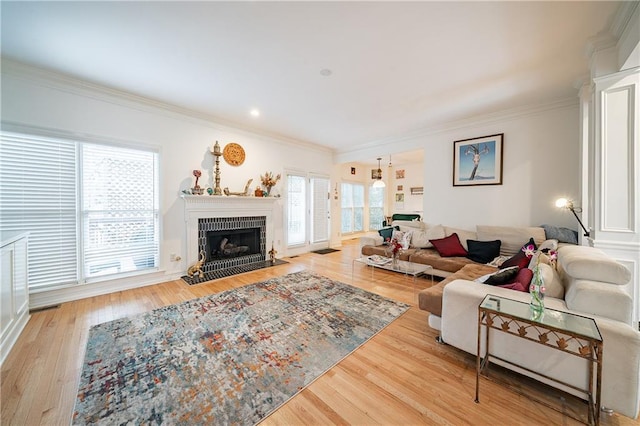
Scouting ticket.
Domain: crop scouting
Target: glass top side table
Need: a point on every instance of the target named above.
(564, 331)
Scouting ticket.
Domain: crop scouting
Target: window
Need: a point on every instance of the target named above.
(92, 210)
(119, 210)
(376, 208)
(352, 206)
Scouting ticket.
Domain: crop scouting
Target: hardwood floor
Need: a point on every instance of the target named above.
(401, 376)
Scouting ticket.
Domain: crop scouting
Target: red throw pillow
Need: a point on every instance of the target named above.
(525, 275)
(449, 246)
(521, 281)
(514, 286)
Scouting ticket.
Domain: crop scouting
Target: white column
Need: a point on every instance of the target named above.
(616, 189)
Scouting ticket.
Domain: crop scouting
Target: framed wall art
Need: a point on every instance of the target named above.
(400, 174)
(478, 161)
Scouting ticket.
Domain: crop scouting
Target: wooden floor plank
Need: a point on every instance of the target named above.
(401, 376)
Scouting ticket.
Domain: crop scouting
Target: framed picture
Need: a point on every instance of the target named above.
(400, 197)
(478, 161)
(353, 170)
(374, 173)
(417, 190)
(400, 174)
(399, 187)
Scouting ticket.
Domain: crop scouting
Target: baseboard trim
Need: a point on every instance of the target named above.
(51, 297)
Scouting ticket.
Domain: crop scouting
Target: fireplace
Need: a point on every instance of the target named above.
(231, 241)
(235, 217)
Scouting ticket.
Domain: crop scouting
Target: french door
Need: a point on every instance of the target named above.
(307, 212)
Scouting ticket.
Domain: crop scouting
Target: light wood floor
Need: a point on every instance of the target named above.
(401, 376)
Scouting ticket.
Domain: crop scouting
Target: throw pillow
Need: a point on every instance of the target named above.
(420, 239)
(563, 235)
(406, 240)
(449, 246)
(483, 251)
(517, 286)
(552, 281)
(503, 276)
(386, 233)
(520, 259)
(498, 261)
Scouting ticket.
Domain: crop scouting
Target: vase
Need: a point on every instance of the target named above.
(536, 289)
(394, 260)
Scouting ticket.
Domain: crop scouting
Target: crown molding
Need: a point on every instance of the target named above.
(70, 84)
(622, 18)
(479, 120)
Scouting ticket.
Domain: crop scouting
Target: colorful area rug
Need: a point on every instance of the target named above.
(228, 358)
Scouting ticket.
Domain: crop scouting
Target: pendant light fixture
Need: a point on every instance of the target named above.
(379, 183)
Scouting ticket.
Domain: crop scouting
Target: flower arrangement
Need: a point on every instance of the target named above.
(268, 181)
(394, 247)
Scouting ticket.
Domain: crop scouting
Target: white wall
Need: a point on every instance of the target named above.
(540, 164)
(413, 177)
(33, 98)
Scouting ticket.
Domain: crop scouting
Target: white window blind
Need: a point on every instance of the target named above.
(91, 210)
(376, 208)
(38, 194)
(119, 210)
(352, 205)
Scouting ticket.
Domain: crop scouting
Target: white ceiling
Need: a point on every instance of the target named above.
(397, 67)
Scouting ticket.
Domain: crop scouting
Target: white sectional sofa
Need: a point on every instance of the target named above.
(587, 282)
(595, 287)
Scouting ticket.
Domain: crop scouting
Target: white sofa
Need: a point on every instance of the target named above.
(595, 286)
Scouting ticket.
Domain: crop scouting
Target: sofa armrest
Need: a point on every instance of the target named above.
(598, 298)
(621, 367)
(370, 240)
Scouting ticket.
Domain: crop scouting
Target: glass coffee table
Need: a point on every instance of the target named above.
(405, 267)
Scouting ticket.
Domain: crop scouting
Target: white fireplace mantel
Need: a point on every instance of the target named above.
(209, 206)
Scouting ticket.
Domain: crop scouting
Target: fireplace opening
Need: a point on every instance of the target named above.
(233, 243)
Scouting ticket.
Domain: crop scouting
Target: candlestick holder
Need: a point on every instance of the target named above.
(217, 153)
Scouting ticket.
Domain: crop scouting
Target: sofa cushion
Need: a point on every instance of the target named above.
(521, 258)
(517, 286)
(511, 236)
(414, 224)
(430, 299)
(553, 286)
(589, 263)
(432, 258)
(502, 276)
(563, 235)
(449, 246)
(587, 296)
(387, 233)
(420, 238)
(483, 251)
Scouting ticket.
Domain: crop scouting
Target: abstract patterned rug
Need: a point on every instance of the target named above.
(228, 358)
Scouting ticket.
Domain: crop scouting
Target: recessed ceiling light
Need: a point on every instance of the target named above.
(325, 72)
(254, 113)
